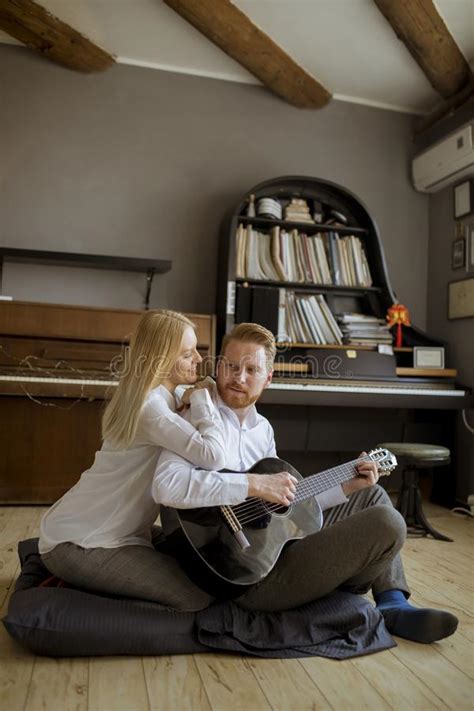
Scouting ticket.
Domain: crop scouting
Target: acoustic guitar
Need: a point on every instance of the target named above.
(225, 549)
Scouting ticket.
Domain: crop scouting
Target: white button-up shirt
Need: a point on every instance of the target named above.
(181, 484)
(111, 504)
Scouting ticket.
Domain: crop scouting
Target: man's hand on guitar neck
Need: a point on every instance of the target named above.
(278, 488)
(368, 475)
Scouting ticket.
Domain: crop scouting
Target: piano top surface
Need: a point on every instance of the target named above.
(81, 323)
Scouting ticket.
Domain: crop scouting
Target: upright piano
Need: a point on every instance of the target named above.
(57, 370)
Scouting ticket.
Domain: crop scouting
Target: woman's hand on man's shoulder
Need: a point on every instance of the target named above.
(207, 383)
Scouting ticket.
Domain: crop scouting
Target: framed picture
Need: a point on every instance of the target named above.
(470, 249)
(428, 357)
(459, 253)
(461, 298)
(459, 228)
(463, 199)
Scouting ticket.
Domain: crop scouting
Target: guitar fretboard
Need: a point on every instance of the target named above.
(327, 479)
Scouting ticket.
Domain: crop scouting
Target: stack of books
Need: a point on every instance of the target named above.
(364, 330)
(323, 258)
(298, 211)
(304, 318)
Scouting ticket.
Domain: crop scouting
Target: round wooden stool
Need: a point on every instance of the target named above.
(412, 457)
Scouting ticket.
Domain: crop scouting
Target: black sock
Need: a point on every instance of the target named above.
(417, 624)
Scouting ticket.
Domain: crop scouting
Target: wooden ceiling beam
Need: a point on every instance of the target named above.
(418, 24)
(34, 26)
(232, 30)
(448, 108)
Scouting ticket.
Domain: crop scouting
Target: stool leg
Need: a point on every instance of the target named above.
(410, 506)
(422, 521)
(411, 479)
(406, 503)
(402, 502)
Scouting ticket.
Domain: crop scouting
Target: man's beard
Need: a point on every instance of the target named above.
(235, 400)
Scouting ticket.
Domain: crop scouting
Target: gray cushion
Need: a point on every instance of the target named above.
(62, 621)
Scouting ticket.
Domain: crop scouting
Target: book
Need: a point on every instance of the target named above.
(322, 320)
(240, 271)
(253, 262)
(276, 254)
(265, 307)
(333, 252)
(265, 257)
(322, 253)
(312, 304)
(290, 318)
(317, 272)
(342, 261)
(300, 260)
(306, 335)
(316, 335)
(282, 333)
(333, 325)
(243, 304)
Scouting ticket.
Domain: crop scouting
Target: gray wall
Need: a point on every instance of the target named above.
(138, 162)
(458, 333)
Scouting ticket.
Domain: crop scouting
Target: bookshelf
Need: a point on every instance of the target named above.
(237, 295)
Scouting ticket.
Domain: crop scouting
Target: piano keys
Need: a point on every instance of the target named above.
(348, 377)
(343, 393)
(93, 388)
(386, 394)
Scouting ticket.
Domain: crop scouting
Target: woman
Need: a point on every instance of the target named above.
(99, 534)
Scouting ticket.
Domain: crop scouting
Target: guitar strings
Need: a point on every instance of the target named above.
(303, 487)
(265, 510)
(327, 476)
(306, 488)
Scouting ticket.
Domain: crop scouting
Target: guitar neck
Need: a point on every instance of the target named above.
(327, 479)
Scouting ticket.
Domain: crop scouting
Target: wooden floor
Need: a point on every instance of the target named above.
(411, 676)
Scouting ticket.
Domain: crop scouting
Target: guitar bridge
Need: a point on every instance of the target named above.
(235, 527)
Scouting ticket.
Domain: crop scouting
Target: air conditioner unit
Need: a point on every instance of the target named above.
(446, 162)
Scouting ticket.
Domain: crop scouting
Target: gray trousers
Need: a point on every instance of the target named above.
(357, 549)
(130, 571)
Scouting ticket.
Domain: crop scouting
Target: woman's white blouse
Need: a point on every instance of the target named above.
(111, 504)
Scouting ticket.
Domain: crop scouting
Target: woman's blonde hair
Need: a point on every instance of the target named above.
(148, 361)
(252, 333)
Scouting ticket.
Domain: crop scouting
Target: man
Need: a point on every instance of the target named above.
(362, 533)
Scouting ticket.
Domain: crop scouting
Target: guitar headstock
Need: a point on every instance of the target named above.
(385, 459)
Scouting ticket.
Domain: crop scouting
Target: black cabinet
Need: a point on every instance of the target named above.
(240, 298)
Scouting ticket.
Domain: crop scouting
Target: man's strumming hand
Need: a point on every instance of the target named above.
(278, 488)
